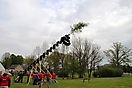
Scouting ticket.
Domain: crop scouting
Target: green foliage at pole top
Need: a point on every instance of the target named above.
(77, 27)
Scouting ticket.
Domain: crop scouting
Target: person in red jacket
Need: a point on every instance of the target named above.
(5, 80)
(40, 79)
(48, 75)
(53, 77)
(32, 77)
(0, 77)
(28, 76)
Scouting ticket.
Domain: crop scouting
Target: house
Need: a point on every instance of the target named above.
(16, 68)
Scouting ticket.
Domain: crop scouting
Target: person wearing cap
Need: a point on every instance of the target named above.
(5, 80)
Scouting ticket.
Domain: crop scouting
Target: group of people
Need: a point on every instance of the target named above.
(38, 78)
(5, 80)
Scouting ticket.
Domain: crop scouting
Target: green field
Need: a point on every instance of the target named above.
(117, 82)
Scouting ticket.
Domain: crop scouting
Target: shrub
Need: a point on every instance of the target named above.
(105, 72)
(110, 72)
(60, 74)
(118, 72)
(95, 74)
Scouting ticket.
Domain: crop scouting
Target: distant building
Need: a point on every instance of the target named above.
(16, 68)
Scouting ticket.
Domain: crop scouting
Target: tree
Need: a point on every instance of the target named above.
(119, 54)
(88, 55)
(62, 56)
(94, 57)
(5, 56)
(28, 59)
(44, 47)
(20, 59)
(37, 52)
(16, 59)
(54, 61)
(62, 59)
(79, 53)
(73, 66)
(6, 61)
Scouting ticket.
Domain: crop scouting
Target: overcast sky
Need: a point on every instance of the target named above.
(25, 24)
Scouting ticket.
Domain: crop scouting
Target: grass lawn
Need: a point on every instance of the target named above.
(118, 82)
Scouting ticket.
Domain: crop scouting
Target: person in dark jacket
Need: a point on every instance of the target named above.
(35, 78)
(21, 74)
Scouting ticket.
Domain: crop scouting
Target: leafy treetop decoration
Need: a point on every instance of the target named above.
(77, 27)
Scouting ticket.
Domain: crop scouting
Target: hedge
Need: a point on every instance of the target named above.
(108, 72)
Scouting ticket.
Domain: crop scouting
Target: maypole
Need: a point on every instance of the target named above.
(64, 40)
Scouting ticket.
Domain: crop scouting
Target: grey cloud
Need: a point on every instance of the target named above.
(27, 24)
